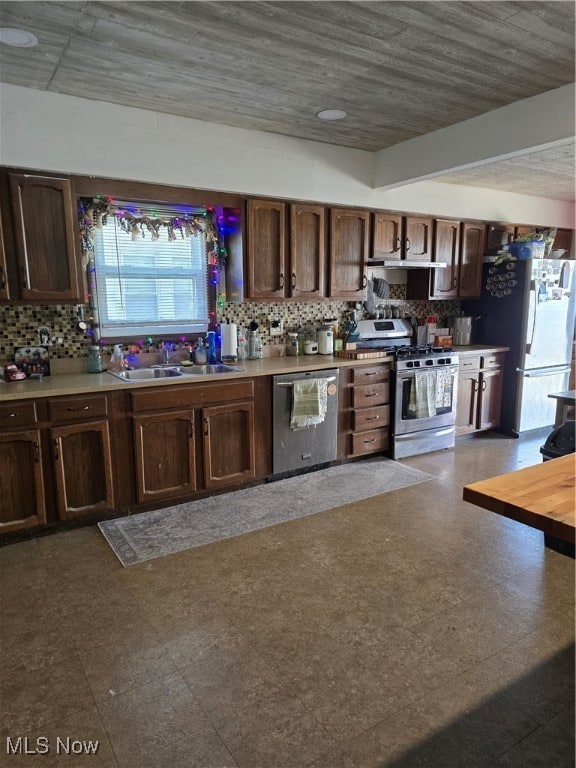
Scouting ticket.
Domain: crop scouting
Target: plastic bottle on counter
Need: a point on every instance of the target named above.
(211, 345)
(242, 351)
(117, 359)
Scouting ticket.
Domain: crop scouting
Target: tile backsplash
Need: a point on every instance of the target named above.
(20, 324)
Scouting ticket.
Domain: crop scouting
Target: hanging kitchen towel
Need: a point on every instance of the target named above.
(422, 403)
(443, 389)
(309, 402)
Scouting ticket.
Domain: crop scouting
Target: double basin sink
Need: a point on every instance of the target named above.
(172, 371)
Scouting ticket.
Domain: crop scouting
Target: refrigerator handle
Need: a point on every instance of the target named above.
(538, 372)
(534, 297)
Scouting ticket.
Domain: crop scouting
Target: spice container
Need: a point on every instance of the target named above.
(292, 346)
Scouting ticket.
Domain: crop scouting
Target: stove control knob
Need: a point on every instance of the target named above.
(409, 363)
(430, 362)
(416, 363)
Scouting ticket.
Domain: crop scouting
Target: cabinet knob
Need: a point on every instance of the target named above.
(36, 447)
(2, 278)
(398, 242)
(407, 243)
(56, 446)
(281, 285)
(364, 283)
(293, 285)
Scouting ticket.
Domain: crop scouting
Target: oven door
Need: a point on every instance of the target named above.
(425, 399)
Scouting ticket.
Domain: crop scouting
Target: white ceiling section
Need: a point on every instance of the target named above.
(403, 71)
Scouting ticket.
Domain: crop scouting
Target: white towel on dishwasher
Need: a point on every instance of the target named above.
(423, 395)
(309, 402)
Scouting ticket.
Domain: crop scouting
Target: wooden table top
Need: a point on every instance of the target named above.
(541, 496)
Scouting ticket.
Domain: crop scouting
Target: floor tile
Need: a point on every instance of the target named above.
(151, 718)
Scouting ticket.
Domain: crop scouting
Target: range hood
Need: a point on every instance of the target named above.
(401, 264)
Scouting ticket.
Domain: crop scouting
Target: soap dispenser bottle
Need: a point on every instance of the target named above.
(117, 359)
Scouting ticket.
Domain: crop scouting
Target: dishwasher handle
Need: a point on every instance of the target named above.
(291, 384)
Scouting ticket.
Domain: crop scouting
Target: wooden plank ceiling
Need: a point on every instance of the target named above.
(399, 69)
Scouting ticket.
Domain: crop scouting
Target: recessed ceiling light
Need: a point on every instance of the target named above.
(331, 114)
(18, 38)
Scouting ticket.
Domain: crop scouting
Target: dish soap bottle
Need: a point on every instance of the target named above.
(117, 359)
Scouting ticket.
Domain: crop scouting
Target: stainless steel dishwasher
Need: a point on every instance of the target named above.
(300, 448)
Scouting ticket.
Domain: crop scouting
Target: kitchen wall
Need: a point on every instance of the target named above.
(51, 131)
(54, 132)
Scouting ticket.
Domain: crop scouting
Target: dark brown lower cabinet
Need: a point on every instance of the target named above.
(479, 393)
(228, 444)
(21, 481)
(367, 403)
(82, 461)
(165, 455)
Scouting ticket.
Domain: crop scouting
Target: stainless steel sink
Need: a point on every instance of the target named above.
(207, 370)
(143, 374)
(164, 371)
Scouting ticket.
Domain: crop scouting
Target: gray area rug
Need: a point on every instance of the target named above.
(148, 535)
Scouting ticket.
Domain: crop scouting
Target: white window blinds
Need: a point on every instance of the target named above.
(150, 286)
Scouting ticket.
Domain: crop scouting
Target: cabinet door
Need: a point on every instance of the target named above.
(418, 238)
(444, 282)
(46, 233)
(467, 402)
(472, 249)
(228, 438)
(21, 481)
(266, 260)
(307, 251)
(83, 469)
(4, 292)
(387, 238)
(349, 243)
(498, 235)
(165, 455)
(490, 399)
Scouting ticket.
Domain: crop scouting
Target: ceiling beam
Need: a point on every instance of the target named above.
(540, 122)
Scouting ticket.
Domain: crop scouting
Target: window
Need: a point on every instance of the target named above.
(147, 286)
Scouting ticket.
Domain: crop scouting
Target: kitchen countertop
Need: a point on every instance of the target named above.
(83, 383)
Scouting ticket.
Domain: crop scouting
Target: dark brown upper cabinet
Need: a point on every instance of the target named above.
(459, 245)
(387, 236)
(47, 262)
(307, 251)
(266, 249)
(286, 250)
(444, 281)
(397, 237)
(348, 253)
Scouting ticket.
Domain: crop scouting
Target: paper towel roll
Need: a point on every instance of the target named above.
(229, 341)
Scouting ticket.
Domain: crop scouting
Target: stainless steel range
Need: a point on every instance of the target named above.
(424, 387)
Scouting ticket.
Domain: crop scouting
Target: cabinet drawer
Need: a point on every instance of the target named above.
(364, 419)
(74, 408)
(17, 415)
(370, 442)
(179, 396)
(495, 360)
(370, 374)
(365, 395)
(471, 363)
